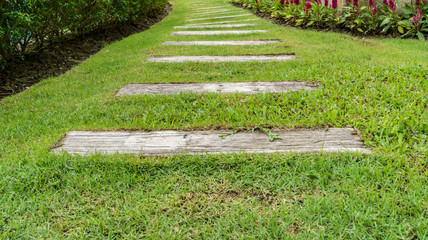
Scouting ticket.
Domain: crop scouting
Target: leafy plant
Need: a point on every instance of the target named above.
(354, 17)
(415, 21)
(25, 23)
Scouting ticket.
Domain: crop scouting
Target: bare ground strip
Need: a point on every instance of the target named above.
(223, 87)
(178, 142)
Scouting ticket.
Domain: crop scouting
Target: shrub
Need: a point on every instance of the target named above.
(35, 22)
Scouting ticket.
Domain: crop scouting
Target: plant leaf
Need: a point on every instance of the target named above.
(420, 36)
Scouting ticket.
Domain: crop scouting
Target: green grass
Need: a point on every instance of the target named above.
(379, 86)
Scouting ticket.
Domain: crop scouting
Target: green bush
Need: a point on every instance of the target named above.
(26, 23)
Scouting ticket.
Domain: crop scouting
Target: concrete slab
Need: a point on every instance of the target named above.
(204, 8)
(222, 17)
(223, 22)
(257, 58)
(178, 142)
(219, 12)
(216, 43)
(220, 87)
(217, 26)
(224, 32)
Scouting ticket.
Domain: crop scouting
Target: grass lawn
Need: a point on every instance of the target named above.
(379, 86)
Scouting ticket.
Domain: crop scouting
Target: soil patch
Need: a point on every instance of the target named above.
(60, 57)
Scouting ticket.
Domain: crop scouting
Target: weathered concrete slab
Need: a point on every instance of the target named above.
(224, 32)
(219, 12)
(223, 87)
(216, 43)
(177, 142)
(258, 58)
(222, 17)
(218, 26)
(223, 22)
(197, 8)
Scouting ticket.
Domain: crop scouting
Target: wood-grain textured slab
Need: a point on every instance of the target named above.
(222, 17)
(204, 8)
(223, 22)
(221, 12)
(224, 87)
(218, 26)
(249, 58)
(216, 43)
(177, 142)
(206, 33)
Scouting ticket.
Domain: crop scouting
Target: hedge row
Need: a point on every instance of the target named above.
(25, 23)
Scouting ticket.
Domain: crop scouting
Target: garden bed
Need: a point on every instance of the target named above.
(60, 57)
(358, 20)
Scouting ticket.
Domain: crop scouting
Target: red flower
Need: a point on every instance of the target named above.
(374, 11)
(334, 4)
(417, 17)
(355, 4)
(326, 3)
(281, 1)
(392, 5)
(372, 3)
(308, 5)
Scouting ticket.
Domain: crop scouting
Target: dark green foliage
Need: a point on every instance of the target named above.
(35, 22)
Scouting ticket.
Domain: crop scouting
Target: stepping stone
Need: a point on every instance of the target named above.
(214, 43)
(178, 142)
(191, 33)
(208, 8)
(223, 87)
(223, 17)
(216, 14)
(220, 12)
(213, 23)
(220, 26)
(245, 58)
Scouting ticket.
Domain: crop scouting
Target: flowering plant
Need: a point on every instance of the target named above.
(372, 18)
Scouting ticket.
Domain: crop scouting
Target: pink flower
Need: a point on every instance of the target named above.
(297, 2)
(326, 3)
(334, 4)
(308, 5)
(374, 11)
(257, 1)
(282, 2)
(355, 4)
(385, 2)
(392, 5)
(417, 17)
(372, 3)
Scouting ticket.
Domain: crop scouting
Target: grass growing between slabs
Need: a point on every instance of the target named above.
(379, 86)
